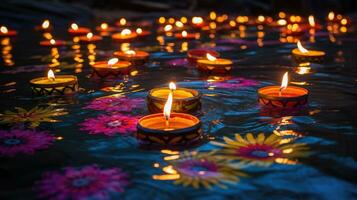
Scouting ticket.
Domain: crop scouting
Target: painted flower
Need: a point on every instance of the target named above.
(110, 125)
(110, 104)
(234, 83)
(261, 150)
(89, 182)
(201, 170)
(34, 116)
(18, 141)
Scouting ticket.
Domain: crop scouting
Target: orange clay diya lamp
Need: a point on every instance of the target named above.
(52, 43)
(45, 26)
(5, 32)
(199, 54)
(104, 27)
(54, 85)
(301, 55)
(214, 65)
(186, 36)
(283, 96)
(169, 129)
(113, 67)
(75, 30)
(125, 35)
(90, 38)
(184, 100)
(137, 58)
(142, 33)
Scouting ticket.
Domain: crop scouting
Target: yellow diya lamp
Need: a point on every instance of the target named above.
(137, 58)
(45, 26)
(75, 30)
(212, 64)
(54, 85)
(184, 100)
(5, 32)
(169, 129)
(125, 35)
(198, 54)
(283, 96)
(302, 55)
(114, 67)
(52, 43)
(184, 35)
(104, 27)
(90, 38)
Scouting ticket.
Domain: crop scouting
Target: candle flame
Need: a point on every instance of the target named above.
(311, 20)
(112, 61)
(184, 33)
(125, 32)
(167, 107)
(74, 26)
(104, 26)
(179, 24)
(284, 82)
(89, 35)
(210, 57)
(282, 22)
(172, 86)
(139, 31)
(331, 15)
(130, 52)
(51, 75)
(197, 20)
(45, 24)
(261, 18)
(168, 28)
(3, 29)
(53, 41)
(301, 48)
(122, 21)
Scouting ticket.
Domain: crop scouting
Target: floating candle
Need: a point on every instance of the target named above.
(45, 26)
(5, 32)
(214, 65)
(186, 36)
(54, 85)
(283, 96)
(302, 55)
(104, 27)
(184, 100)
(199, 54)
(197, 22)
(137, 58)
(169, 129)
(142, 33)
(76, 30)
(124, 36)
(90, 38)
(52, 43)
(113, 67)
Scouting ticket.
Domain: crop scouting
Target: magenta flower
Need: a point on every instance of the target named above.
(89, 182)
(235, 83)
(18, 141)
(110, 124)
(110, 104)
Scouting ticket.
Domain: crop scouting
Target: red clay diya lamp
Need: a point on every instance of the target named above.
(137, 58)
(4, 32)
(283, 96)
(52, 43)
(211, 64)
(186, 36)
(184, 100)
(169, 129)
(125, 35)
(302, 55)
(45, 26)
(76, 30)
(104, 27)
(113, 67)
(142, 33)
(90, 38)
(54, 85)
(198, 54)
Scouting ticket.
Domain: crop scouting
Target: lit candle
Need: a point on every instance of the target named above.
(142, 33)
(90, 38)
(76, 30)
(137, 58)
(198, 54)
(112, 67)
(5, 32)
(52, 43)
(197, 22)
(184, 100)
(54, 85)
(169, 129)
(104, 27)
(283, 96)
(186, 36)
(214, 65)
(125, 35)
(301, 55)
(45, 26)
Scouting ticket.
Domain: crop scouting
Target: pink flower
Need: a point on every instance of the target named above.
(110, 124)
(110, 104)
(234, 83)
(89, 182)
(18, 141)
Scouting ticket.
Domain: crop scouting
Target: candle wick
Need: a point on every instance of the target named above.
(167, 122)
(280, 91)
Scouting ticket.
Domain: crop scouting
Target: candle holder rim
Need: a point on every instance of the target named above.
(192, 91)
(33, 81)
(298, 53)
(265, 96)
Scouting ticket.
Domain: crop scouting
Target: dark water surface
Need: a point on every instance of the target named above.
(315, 155)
